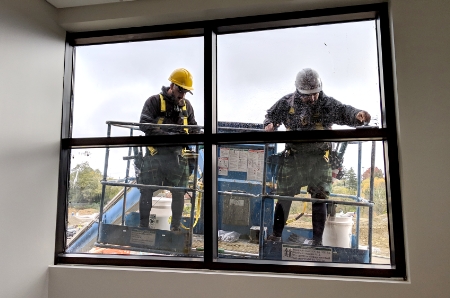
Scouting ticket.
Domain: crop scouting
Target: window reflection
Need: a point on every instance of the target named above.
(113, 81)
(106, 209)
(242, 171)
(249, 82)
(355, 229)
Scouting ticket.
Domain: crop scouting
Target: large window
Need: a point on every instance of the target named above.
(144, 184)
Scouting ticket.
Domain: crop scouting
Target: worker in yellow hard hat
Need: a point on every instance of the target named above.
(181, 77)
(166, 165)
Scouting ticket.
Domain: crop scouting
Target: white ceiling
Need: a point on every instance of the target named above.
(76, 3)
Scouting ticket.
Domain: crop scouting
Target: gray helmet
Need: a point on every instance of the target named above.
(308, 81)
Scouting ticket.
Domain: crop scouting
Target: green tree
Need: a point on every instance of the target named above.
(85, 185)
(339, 187)
(350, 178)
(379, 194)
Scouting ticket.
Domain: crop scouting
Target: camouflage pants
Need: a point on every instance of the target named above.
(166, 168)
(297, 171)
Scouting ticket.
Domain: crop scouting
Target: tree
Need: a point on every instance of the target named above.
(351, 181)
(340, 188)
(376, 173)
(85, 186)
(379, 193)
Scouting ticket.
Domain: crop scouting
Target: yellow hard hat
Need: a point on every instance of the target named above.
(182, 77)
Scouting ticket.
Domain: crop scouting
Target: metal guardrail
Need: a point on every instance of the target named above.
(360, 202)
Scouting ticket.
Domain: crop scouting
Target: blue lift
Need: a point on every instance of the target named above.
(242, 204)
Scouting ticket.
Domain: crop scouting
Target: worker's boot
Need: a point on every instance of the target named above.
(319, 216)
(177, 210)
(144, 219)
(281, 212)
(145, 206)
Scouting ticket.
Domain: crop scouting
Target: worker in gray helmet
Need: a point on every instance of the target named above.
(307, 164)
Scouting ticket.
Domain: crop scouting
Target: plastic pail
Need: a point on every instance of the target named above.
(160, 213)
(338, 232)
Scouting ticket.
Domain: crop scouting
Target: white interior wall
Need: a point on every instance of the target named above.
(155, 12)
(31, 73)
(31, 76)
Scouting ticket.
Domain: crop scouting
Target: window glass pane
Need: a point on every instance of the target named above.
(321, 204)
(113, 81)
(351, 227)
(148, 204)
(263, 68)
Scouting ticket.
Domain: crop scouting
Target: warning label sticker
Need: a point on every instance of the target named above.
(143, 237)
(306, 253)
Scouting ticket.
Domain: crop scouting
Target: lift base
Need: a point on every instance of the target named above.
(145, 238)
(282, 251)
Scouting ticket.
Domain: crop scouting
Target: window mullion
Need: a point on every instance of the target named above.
(210, 112)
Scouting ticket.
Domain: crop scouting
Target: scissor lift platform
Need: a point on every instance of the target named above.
(288, 250)
(144, 239)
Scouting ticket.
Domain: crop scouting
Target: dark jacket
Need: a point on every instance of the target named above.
(151, 112)
(296, 115)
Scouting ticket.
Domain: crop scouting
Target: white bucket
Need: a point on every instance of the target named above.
(338, 232)
(160, 213)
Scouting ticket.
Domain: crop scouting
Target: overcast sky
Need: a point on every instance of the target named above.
(255, 69)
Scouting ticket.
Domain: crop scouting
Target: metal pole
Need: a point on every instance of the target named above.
(372, 175)
(261, 218)
(127, 172)
(358, 193)
(363, 202)
(105, 175)
(194, 196)
(135, 125)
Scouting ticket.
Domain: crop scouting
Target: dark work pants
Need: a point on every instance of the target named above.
(303, 170)
(165, 168)
(319, 216)
(145, 206)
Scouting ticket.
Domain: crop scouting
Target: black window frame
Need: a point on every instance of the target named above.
(211, 139)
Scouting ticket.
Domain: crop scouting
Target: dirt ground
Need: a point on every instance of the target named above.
(78, 218)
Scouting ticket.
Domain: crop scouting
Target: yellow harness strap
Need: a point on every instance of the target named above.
(163, 108)
(185, 120)
(326, 155)
(153, 150)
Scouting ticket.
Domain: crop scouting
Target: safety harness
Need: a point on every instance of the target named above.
(334, 157)
(183, 115)
(319, 126)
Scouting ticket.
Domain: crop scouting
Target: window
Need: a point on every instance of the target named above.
(318, 195)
